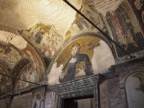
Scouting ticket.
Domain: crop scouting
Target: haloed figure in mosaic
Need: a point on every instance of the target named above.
(75, 64)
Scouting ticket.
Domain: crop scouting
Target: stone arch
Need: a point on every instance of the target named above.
(23, 62)
(26, 76)
(29, 52)
(22, 75)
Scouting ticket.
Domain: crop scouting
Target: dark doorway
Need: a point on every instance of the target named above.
(70, 103)
(83, 102)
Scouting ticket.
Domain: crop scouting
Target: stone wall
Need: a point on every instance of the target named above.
(109, 90)
(22, 101)
(110, 93)
(113, 89)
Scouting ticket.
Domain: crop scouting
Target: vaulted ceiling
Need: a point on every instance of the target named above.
(34, 30)
(22, 15)
(39, 27)
(21, 21)
(18, 15)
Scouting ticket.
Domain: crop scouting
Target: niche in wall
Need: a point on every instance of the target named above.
(135, 90)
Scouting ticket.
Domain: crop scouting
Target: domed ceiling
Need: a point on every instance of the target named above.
(31, 18)
(22, 15)
(46, 24)
(22, 50)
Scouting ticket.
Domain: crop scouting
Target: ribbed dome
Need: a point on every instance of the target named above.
(104, 6)
(23, 14)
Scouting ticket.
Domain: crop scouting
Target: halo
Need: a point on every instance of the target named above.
(81, 44)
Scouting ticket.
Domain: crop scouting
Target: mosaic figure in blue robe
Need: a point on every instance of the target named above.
(73, 63)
